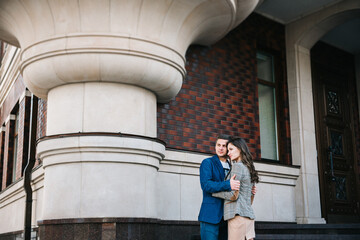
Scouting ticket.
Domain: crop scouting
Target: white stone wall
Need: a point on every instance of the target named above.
(100, 176)
(101, 107)
(179, 186)
(177, 195)
(12, 204)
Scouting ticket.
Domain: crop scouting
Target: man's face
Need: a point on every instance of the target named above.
(220, 147)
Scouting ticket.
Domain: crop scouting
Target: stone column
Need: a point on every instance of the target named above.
(102, 65)
(303, 142)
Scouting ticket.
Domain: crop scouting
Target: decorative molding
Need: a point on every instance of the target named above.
(12, 193)
(9, 72)
(109, 44)
(26, 93)
(90, 148)
(10, 117)
(152, 65)
(15, 191)
(112, 39)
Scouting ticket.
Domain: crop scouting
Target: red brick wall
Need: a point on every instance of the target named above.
(6, 137)
(8, 154)
(41, 118)
(11, 104)
(41, 122)
(219, 94)
(7, 142)
(23, 136)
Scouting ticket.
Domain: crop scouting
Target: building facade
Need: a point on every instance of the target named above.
(128, 98)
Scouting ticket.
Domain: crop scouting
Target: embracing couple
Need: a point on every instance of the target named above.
(228, 190)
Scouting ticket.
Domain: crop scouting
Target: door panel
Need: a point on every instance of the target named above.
(335, 144)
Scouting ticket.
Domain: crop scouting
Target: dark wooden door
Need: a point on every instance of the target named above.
(335, 142)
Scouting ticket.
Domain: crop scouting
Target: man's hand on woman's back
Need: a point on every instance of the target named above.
(234, 184)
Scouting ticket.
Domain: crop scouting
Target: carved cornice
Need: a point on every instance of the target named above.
(142, 43)
(9, 72)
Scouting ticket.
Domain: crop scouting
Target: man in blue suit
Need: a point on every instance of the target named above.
(212, 174)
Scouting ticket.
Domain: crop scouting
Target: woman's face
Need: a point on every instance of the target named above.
(234, 152)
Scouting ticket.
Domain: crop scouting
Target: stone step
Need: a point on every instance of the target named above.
(275, 228)
(307, 237)
(288, 231)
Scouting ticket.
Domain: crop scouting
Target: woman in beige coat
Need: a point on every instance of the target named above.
(237, 204)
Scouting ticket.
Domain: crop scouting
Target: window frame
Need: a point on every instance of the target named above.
(15, 143)
(11, 162)
(2, 161)
(276, 74)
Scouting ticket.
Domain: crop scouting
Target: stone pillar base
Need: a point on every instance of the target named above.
(117, 228)
(90, 175)
(310, 221)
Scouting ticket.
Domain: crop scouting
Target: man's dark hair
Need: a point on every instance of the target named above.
(224, 137)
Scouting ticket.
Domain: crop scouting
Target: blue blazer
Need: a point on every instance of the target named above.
(212, 180)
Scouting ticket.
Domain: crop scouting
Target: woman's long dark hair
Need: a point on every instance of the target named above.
(246, 157)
